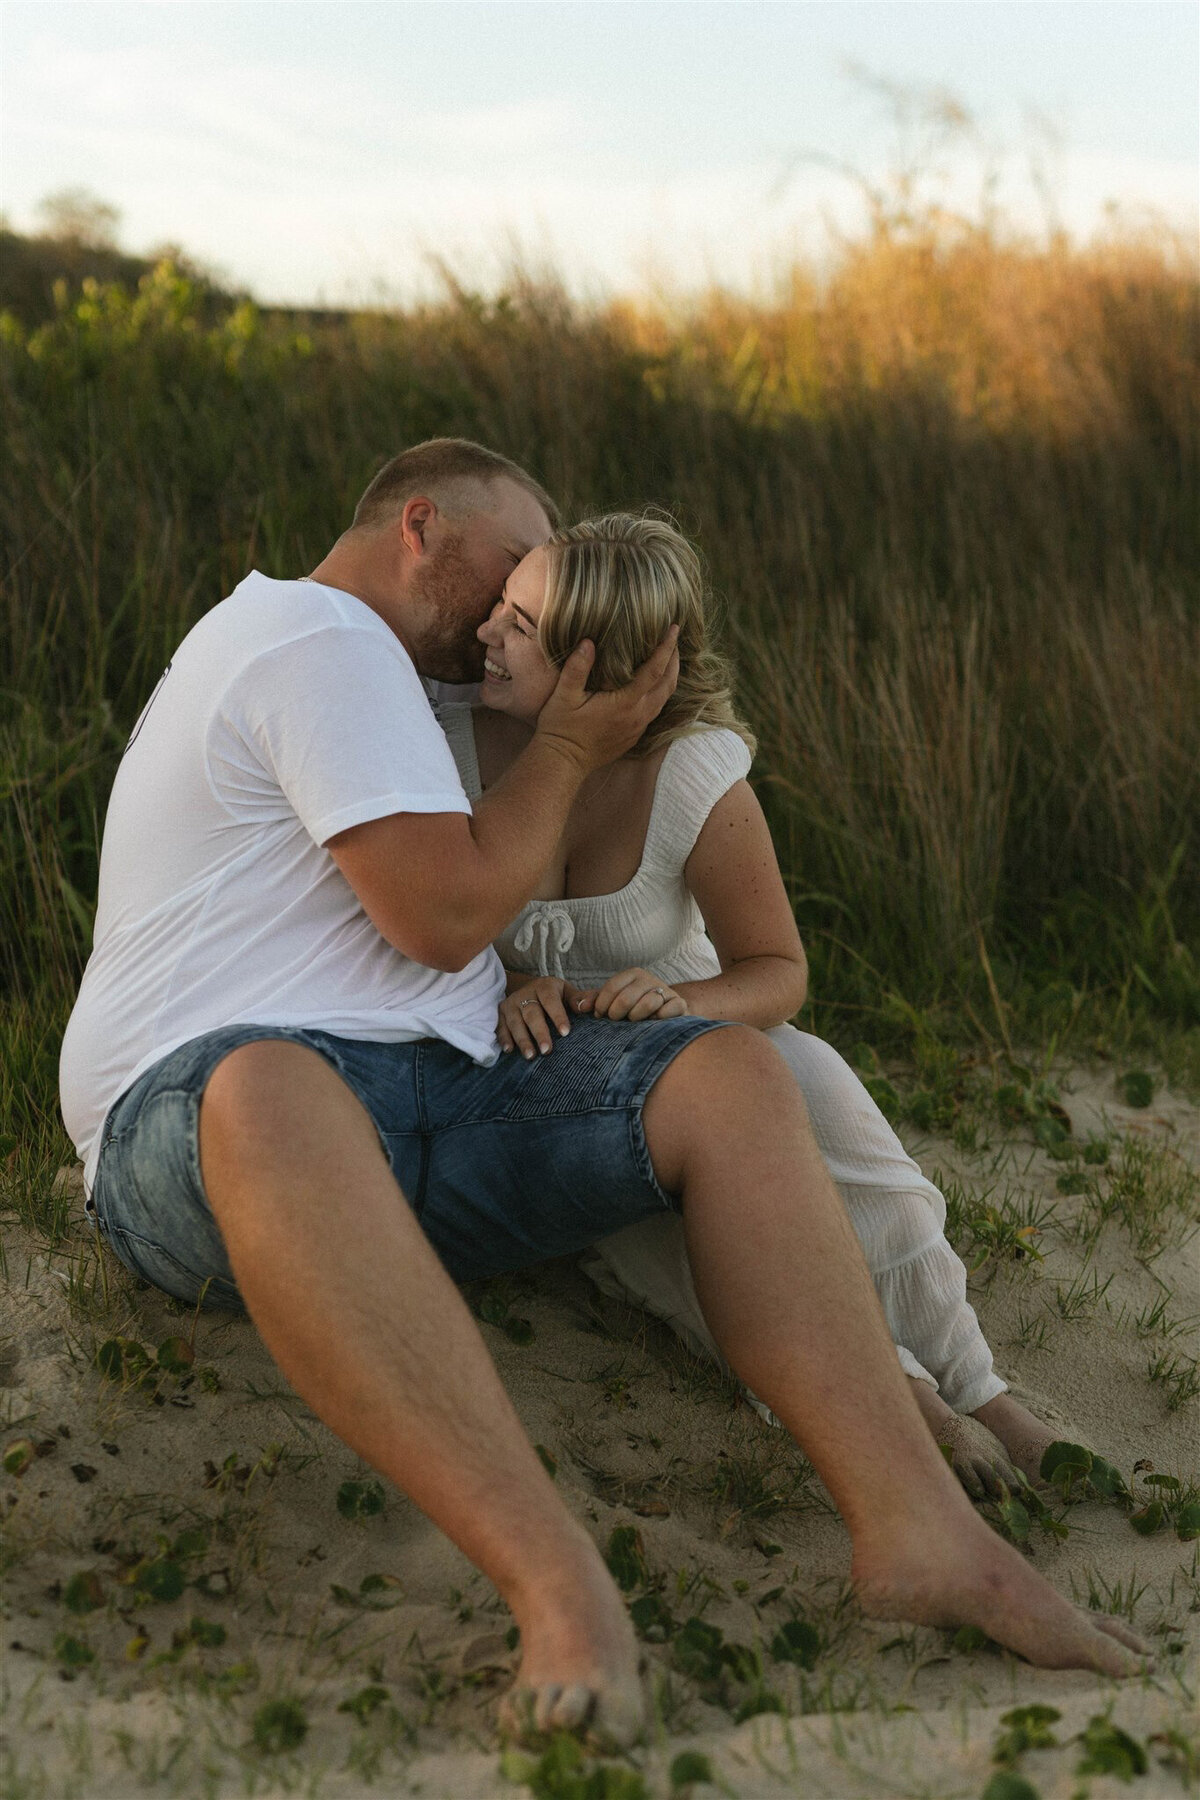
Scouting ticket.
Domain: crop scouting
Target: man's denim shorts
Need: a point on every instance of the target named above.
(503, 1166)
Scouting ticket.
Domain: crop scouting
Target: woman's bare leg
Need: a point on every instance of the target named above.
(1025, 1437)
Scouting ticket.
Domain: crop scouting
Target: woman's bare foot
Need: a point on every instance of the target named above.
(977, 1457)
(959, 1572)
(1025, 1437)
(579, 1661)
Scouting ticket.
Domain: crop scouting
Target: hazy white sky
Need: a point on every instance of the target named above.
(325, 149)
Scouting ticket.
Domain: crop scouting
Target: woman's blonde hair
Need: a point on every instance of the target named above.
(622, 581)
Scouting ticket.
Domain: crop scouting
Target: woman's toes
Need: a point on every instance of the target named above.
(996, 1476)
(976, 1455)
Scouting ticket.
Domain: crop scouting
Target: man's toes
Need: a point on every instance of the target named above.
(515, 1713)
(1109, 1653)
(1123, 1633)
(544, 1702)
(573, 1708)
(611, 1718)
(620, 1716)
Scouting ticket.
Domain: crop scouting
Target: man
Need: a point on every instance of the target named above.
(281, 1072)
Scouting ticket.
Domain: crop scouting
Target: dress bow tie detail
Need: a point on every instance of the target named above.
(552, 930)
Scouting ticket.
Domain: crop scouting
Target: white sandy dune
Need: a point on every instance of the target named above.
(390, 1651)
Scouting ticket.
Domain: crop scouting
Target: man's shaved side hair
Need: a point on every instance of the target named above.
(449, 471)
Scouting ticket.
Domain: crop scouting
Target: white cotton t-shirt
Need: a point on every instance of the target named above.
(288, 714)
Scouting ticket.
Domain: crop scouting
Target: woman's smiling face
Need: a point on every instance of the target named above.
(517, 679)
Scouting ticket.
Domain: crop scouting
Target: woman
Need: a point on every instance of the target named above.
(665, 897)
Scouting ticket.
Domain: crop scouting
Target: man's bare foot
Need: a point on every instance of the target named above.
(579, 1662)
(1025, 1437)
(959, 1572)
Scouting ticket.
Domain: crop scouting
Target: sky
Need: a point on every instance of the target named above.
(332, 151)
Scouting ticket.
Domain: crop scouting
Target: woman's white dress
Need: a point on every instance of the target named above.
(654, 923)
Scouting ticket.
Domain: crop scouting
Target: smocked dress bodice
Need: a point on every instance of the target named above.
(653, 921)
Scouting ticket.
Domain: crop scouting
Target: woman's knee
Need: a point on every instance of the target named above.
(856, 1139)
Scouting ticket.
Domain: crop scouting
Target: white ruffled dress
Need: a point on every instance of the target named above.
(654, 923)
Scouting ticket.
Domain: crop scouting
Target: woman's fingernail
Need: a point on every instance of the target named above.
(563, 1030)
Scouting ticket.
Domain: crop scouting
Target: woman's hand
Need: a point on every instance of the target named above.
(633, 994)
(534, 1013)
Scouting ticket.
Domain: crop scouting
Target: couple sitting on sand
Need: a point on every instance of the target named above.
(282, 1071)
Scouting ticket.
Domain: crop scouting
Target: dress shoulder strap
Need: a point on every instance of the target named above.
(696, 772)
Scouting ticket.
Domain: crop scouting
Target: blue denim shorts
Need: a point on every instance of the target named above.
(502, 1166)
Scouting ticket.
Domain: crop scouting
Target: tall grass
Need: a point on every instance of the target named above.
(948, 496)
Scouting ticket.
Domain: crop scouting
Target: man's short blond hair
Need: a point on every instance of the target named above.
(452, 472)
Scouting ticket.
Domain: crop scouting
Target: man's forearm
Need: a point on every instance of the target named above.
(440, 887)
(515, 828)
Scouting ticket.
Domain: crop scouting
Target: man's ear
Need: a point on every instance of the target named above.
(418, 514)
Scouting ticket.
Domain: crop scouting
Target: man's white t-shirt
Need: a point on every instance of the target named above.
(288, 714)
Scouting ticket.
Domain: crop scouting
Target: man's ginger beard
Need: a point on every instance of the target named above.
(452, 601)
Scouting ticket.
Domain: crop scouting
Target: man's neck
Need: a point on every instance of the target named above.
(348, 573)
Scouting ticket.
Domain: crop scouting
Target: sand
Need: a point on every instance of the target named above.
(732, 1527)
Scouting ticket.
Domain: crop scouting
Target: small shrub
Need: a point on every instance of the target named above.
(83, 1593)
(279, 1725)
(626, 1558)
(1137, 1088)
(1107, 1750)
(689, 1769)
(361, 1499)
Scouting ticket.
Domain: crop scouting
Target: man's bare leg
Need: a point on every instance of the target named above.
(356, 1309)
(787, 1295)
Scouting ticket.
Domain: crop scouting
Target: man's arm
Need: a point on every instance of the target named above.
(441, 886)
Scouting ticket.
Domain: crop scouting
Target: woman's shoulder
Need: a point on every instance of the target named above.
(713, 754)
(697, 770)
